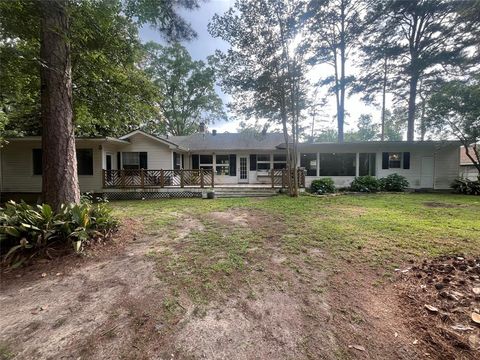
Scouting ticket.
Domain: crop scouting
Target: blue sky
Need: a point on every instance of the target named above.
(205, 45)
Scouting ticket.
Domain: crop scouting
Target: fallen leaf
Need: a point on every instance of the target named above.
(474, 342)
(44, 274)
(415, 342)
(461, 327)
(476, 317)
(431, 308)
(476, 290)
(357, 347)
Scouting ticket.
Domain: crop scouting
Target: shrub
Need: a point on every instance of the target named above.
(32, 229)
(394, 182)
(365, 184)
(466, 186)
(322, 186)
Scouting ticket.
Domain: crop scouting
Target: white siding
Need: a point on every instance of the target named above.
(159, 154)
(17, 167)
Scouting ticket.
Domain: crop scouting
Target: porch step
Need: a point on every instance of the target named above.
(244, 192)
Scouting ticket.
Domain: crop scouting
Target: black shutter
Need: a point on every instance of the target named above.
(182, 165)
(406, 160)
(253, 162)
(385, 159)
(37, 161)
(233, 165)
(119, 164)
(143, 160)
(195, 161)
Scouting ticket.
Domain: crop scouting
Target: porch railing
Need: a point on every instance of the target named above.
(140, 178)
(281, 177)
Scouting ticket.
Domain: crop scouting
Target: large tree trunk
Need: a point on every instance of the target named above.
(411, 108)
(341, 112)
(60, 180)
(384, 97)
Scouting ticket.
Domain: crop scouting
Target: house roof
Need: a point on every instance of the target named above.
(153, 137)
(229, 141)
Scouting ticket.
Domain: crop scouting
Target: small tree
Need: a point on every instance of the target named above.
(455, 111)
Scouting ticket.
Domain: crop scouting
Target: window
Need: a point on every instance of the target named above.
(279, 161)
(263, 162)
(134, 160)
(177, 161)
(222, 165)
(309, 162)
(206, 162)
(366, 164)
(130, 160)
(395, 160)
(37, 161)
(85, 161)
(336, 164)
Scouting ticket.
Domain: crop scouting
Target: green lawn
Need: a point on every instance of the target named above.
(216, 255)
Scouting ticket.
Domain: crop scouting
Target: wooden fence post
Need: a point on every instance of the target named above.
(213, 182)
(103, 178)
(181, 178)
(162, 180)
(273, 178)
(123, 177)
(201, 178)
(142, 178)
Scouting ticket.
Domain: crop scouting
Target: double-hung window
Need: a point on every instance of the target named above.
(263, 162)
(279, 161)
(84, 161)
(222, 165)
(206, 162)
(134, 160)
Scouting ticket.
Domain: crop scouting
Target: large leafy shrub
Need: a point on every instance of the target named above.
(365, 184)
(466, 186)
(322, 186)
(27, 230)
(394, 182)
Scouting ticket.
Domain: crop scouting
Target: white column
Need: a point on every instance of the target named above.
(318, 164)
(357, 164)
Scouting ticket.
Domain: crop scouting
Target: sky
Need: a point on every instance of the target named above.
(205, 45)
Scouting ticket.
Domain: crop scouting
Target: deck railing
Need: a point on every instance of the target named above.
(140, 178)
(279, 178)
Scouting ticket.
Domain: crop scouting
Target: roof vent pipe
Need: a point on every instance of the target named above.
(214, 132)
(201, 127)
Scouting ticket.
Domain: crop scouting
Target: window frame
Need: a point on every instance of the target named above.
(353, 170)
(222, 165)
(279, 162)
(264, 162)
(206, 165)
(90, 150)
(400, 160)
(130, 165)
(370, 166)
(308, 168)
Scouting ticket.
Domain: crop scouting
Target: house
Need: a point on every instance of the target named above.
(467, 169)
(142, 163)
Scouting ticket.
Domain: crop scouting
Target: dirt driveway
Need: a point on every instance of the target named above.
(226, 284)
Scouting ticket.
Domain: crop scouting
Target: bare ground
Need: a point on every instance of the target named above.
(158, 297)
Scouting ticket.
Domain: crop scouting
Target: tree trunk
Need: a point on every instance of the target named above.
(60, 180)
(411, 108)
(384, 97)
(341, 112)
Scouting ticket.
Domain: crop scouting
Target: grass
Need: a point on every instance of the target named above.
(382, 231)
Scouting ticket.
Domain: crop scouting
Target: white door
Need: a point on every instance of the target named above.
(426, 176)
(243, 169)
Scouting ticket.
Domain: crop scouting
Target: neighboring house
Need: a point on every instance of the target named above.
(467, 169)
(142, 161)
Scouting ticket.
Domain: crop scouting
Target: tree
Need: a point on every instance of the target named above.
(187, 90)
(334, 29)
(367, 130)
(427, 39)
(264, 67)
(60, 184)
(455, 111)
(395, 122)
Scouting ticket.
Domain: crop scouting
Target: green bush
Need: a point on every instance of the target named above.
(322, 186)
(466, 186)
(365, 184)
(394, 182)
(29, 230)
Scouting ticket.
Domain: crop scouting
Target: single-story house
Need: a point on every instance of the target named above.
(467, 169)
(139, 160)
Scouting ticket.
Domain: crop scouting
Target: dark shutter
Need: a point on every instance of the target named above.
(119, 164)
(183, 162)
(37, 161)
(406, 160)
(195, 161)
(253, 162)
(233, 165)
(385, 159)
(143, 160)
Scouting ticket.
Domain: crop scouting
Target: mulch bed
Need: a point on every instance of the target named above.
(442, 301)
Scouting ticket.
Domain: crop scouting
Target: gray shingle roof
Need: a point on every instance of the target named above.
(229, 141)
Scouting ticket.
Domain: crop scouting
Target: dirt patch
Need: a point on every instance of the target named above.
(436, 204)
(441, 295)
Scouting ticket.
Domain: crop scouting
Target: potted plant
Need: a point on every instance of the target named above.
(210, 194)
